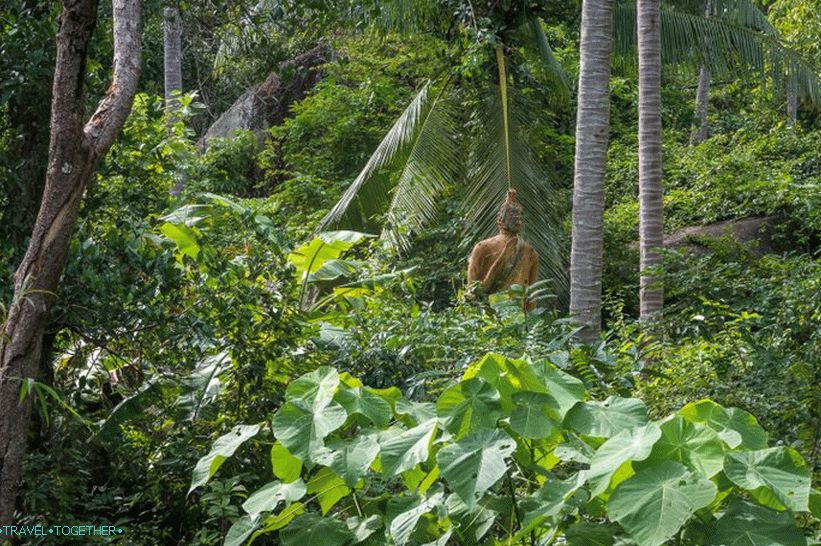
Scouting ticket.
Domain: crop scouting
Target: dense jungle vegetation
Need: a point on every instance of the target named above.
(241, 313)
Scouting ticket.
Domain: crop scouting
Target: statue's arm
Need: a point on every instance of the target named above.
(532, 277)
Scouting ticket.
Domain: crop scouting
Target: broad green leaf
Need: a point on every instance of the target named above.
(734, 426)
(302, 431)
(566, 389)
(419, 412)
(223, 447)
(473, 523)
(313, 391)
(745, 524)
(350, 459)
(184, 237)
(286, 467)
(269, 496)
(536, 415)
(589, 534)
(629, 445)
(363, 528)
(607, 418)
(328, 488)
(326, 246)
(777, 477)
(403, 524)
(407, 449)
(472, 465)
(241, 530)
(550, 500)
(363, 401)
(312, 530)
(507, 376)
(273, 523)
(815, 503)
(696, 446)
(467, 406)
(655, 503)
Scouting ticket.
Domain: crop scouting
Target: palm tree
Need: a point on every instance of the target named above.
(651, 235)
(592, 137)
(468, 139)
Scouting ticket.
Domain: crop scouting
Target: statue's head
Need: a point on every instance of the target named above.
(510, 214)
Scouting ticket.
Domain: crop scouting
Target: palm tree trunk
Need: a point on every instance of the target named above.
(592, 138)
(73, 151)
(651, 214)
(792, 101)
(702, 128)
(172, 56)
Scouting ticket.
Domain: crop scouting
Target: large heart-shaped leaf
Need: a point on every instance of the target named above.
(629, 445)
(315, 390)
(312, 530)
(363, 401)
(655, 503)
(696, 446)
(269, 496)
(286, 467)
(472, 465)
(745, 524)
(735, 426)
(605, 419)
(302, 431)
(777, 477)
(328, 488)
(223, 447)
(566, 389)
(403, 524)
(350, 459)
(467, 406)
(536, 414)
(407, 449)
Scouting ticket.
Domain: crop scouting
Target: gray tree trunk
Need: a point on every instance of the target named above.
(73, 152)
(792, 101)
(702, 129)
(172, 56)
(592, 138)
(651, 214)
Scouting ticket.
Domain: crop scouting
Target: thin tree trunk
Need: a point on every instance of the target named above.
(73, 151)
(651, 214)
(592, 138)
(792, 101)
(172, 56)
(702, 128)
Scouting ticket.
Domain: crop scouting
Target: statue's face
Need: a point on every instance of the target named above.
(510, 219)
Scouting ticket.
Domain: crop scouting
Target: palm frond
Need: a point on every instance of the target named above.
(727, 48)
(743, 12)
(404, 15)
(486, 183)
(369, 194)
(558, 79)
(434, 164)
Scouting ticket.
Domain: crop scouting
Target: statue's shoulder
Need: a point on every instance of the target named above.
(530, 250)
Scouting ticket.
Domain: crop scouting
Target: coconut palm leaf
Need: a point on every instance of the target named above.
(369, 194)
(491, 151)
(743, 12)
(433, 165)
(556, 75)
(725, 46)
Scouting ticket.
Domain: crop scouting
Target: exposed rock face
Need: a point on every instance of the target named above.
(266, 104)
(758, 230)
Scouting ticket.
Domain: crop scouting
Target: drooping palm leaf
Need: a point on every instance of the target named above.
(434, 164)
(725, 46)
(486, 183)
(369, 194)
(556, 75)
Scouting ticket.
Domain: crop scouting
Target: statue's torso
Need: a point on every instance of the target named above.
(518, 270)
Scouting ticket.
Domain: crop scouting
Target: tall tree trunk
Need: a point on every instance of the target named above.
(792, 100)
(172, 56)
(172, 71)
(702, 129)
(592, 137)
(651, 214)
(73, 152)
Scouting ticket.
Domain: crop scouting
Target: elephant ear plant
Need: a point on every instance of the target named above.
(515, 452)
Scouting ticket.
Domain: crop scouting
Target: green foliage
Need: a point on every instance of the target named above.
(500, 457)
